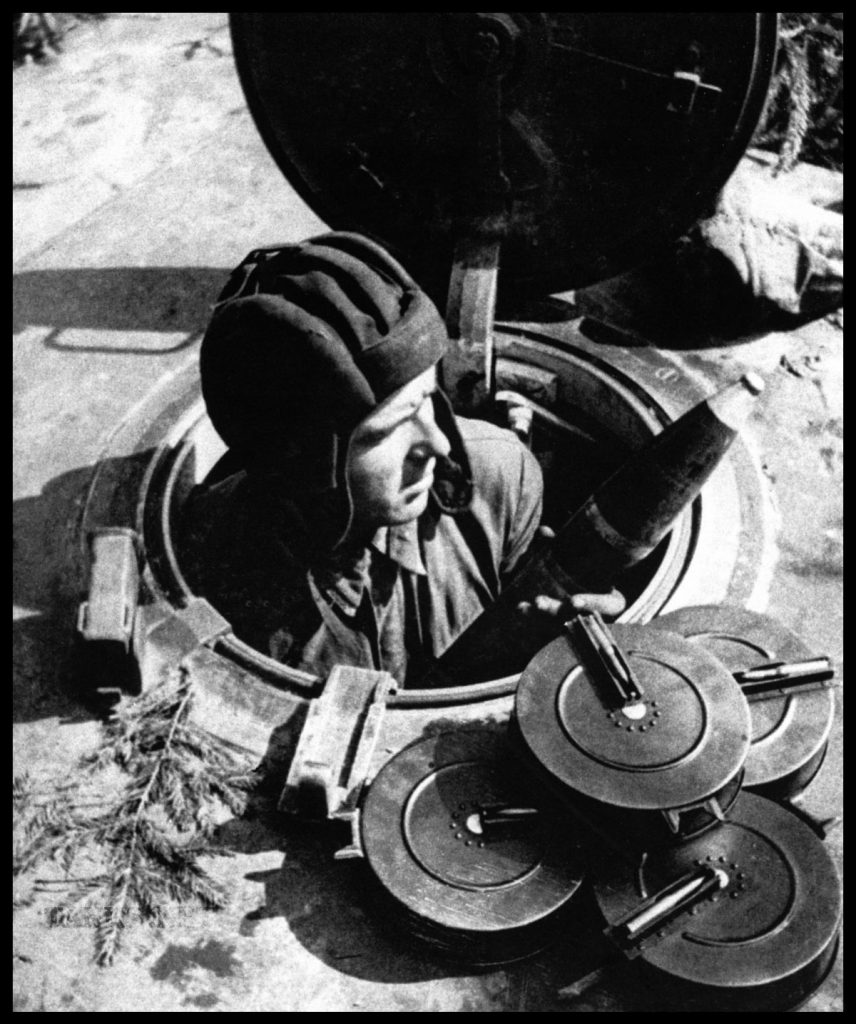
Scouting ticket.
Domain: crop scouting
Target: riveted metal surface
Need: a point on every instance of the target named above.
(444, 839)
(663, 729)
(592, 747)
(790, 733)
(450, 880)
(775, 921)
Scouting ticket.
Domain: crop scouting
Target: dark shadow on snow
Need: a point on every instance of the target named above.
(49, 579)
(173, 300)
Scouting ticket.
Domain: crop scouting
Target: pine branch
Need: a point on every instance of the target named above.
(803, 117)
(111, 923)
(154, 830)
(72, 909)
(801, 101)
(150, 901)
(175, 800)
(21, 787)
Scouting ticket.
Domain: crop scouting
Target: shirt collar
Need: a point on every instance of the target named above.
(401, 544)
(342, 583)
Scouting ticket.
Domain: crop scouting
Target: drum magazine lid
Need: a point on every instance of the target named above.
(780, 911)
(788, 730)
(681, 743)
(596, 136)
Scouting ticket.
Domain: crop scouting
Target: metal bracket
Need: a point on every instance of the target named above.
(335, 748)
(103, 662)
(673, 820)
(469, 367)
(686, 88)
(354, 849)
(604, 657)
(674, 815)
(683, 92)
(164, 641)
(116, 629)
(107, 615)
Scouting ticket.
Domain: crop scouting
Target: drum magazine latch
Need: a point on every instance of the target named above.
(653, 919)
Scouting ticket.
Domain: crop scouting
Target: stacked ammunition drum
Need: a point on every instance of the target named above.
(638, 767)
(619, 784)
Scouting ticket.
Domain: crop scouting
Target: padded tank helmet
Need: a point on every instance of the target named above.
(304, 342)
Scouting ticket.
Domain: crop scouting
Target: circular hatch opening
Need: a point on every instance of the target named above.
(586, 391)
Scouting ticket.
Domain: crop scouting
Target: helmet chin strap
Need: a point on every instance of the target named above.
(350, 535)
(453, 483)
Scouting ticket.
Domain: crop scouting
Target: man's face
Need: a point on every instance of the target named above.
(392, 455)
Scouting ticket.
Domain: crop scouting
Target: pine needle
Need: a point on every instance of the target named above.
(800, 110)
(151, 833)
(20, 790)
(803, 117)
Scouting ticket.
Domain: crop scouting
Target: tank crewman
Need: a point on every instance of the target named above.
(354, 519)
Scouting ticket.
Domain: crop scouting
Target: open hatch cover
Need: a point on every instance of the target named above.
(582, 140)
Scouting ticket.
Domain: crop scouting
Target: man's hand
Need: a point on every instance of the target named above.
(550, 610)
(609, 605)
(545, 616)
(548, 614)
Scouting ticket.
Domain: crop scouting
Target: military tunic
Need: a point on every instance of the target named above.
(395, 605)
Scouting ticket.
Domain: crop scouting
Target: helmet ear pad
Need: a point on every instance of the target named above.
(453, 477)
(452, 490)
